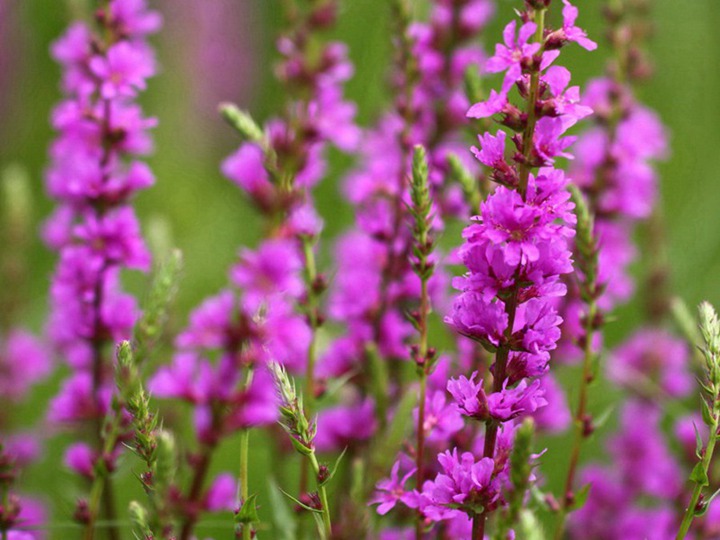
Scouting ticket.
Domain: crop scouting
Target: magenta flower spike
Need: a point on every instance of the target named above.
(93, 176)
(516, 252)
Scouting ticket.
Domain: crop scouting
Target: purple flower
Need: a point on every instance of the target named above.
(188, 377)
(392, 490)
(247, 169)
(23, 362)
(209, 323)
(93, 175)
(345, 425)
(80, 458)
(222, 493)
(271, 271)
(504, 405)
(442, 419)
(572, 32)
(123, 70)
(510, 55)
(476, 318)
(463, 486)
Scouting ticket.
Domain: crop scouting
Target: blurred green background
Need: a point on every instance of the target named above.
(208, 216)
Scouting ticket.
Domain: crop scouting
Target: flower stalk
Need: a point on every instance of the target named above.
(302, 435)
(710, 330)
(586, 261)
(421, 211)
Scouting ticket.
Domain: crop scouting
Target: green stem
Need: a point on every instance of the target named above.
(580, 413)
(312, 308)
(243, 477)
(420, 450)
(244, 446)
(101, 476)
(322, 492)
(707, 457)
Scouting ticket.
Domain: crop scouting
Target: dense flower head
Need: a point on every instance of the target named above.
(221, 339)
(93, 175)
(465, 485)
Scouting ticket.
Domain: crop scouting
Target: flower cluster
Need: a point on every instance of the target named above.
(271, 314)
(612, 509)
(518, 248)
(375, 282)
(94, 175)
(614, 169)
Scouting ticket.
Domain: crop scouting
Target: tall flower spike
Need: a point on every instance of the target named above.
(93, 175)
(273, 310)
(518, 248)
(302, 435)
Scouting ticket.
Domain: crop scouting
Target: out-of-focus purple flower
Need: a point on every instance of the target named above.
(123, 69)
(221, 495)
(80, 458)
(345, 425)
(271, 271)
(93, 175)
(23, 362)
(442, 419)
(652, 360)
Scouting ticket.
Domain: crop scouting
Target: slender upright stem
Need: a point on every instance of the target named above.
(243, 477)
(98, 491)
(478, 527)
(322, 492)
(201, 469)
(691, 508)
(420, 449)
(579, 420)
(313, 318)
(244, 446)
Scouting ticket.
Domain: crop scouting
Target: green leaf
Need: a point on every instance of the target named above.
(335, 467)
(299, 446)
(320, 526)
(300, 504)
(706, 414)
(699, 475)
(602, 419)
(248, 512)
(581, 497)
(698, 442)
(706, 504)
(282, 517)
(335, 385)
(242, 122)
